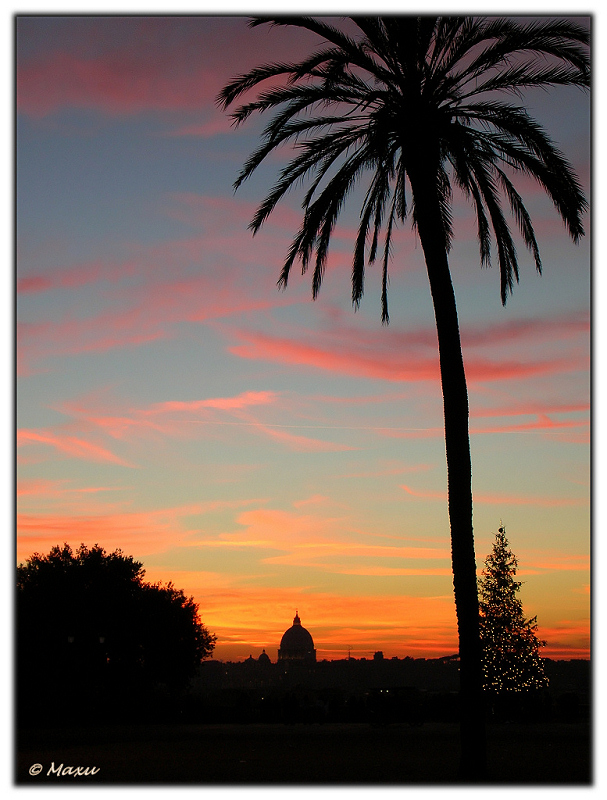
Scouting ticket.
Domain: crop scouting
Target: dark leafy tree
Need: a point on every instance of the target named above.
(511, 647)
(90, 629)
(414, 105)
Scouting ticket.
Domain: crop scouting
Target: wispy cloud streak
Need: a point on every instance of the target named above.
(501, 499)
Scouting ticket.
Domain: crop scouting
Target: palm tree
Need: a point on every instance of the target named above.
(414, 104)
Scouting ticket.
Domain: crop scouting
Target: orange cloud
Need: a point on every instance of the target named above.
(501, 499)
(286, 528)
(39, 487)
(325, 543)
(566, 639)
(58, 489)
(313, 500)
(536, 500)
(552, 563)
(139, 533)
(296, 559)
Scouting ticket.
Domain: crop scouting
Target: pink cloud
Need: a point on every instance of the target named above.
(340, 359)
(398, 469)
(170, 417)
(193, 418)
(239, 402)
(215, 125)
(207, 276)
(425, 495)
(570, 430)
(36, 342)
(530, 408)
(574, 430)
(71, 446)
(150, 315)
(543, 423)
(526, 330)
(226, 214)
(79, 275)
(298, 443)
(141, 299)
(126, 65)
(394, 358)
(113, 83)
(217, 217)
(33, 284)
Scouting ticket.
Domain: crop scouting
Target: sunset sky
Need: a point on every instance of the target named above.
(264, 452)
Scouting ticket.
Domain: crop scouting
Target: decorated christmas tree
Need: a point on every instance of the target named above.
(511, 660)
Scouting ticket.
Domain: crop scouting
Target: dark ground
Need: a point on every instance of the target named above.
(536, 754)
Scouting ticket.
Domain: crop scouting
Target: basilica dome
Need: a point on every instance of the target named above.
(296, 643)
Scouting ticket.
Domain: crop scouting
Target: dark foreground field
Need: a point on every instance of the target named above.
(354, 754)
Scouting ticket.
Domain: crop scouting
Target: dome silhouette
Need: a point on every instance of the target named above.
(296, 643)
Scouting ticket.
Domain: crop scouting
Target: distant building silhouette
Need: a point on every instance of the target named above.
(297, 643)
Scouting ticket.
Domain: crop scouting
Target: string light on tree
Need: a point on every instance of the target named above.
(511, 660)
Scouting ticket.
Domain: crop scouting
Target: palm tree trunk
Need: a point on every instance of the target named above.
(459, 475)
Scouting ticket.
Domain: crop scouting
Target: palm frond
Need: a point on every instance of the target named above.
(396, 89)
(522, 217)
(506, 249)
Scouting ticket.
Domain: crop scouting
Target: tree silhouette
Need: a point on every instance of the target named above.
(511, 660)
(414, 104)
(91, 631)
